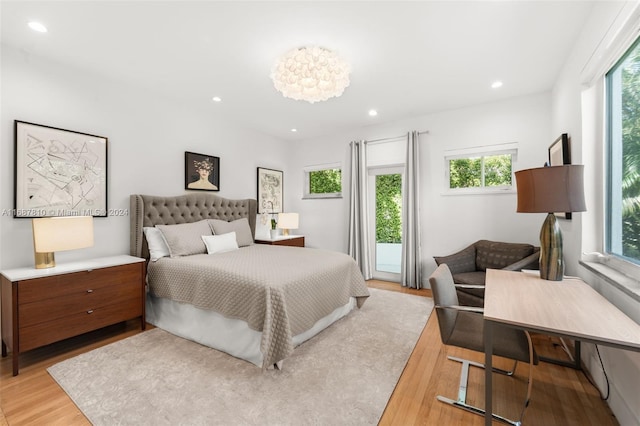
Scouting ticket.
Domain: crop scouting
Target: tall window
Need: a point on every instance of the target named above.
(480, 172)
(623, 165)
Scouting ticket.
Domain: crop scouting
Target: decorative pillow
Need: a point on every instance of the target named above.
(220, 243)
(240, 227)
(497, 255)
(185, 239)
(157, 246)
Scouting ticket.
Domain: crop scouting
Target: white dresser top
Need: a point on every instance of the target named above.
(31, 272)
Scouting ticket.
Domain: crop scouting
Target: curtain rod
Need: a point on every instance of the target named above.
(392, 139)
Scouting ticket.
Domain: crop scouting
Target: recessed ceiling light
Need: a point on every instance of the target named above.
(294, 130)
(37, 26)
(373, 112)
(496, 84)
(216, 99)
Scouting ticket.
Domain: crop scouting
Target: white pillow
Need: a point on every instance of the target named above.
(220, 243)
(157, 245)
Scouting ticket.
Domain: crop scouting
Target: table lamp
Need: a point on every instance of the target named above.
(549, 190)
(287, 221)
(51, 234)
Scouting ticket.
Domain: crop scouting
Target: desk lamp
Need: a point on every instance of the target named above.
(51, 234)
(288, 221)
(549, 190)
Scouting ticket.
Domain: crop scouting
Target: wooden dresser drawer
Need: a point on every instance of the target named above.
(63, 285)
(77, 323)
(81, 301)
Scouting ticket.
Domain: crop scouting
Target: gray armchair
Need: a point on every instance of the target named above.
(463, 326)
(469, 265)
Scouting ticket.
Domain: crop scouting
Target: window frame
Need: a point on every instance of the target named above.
(306, 194)
(614, 146)
(482, 152)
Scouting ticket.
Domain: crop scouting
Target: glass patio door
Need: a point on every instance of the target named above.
(385, 213)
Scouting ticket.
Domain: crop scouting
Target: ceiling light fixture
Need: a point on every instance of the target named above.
(216, 99)
(496, 84)
(373, 112)
(311, 74)
(37, 26)
(294, 130)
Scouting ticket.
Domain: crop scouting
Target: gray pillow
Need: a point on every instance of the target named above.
(185, 239)
(240, 227)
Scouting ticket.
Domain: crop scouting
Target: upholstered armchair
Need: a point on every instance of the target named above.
(469, 265)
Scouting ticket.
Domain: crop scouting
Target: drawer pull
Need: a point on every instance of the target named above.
(90, 311)
(90, 291)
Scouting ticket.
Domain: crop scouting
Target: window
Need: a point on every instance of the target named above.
(324, 181)
(486, 171)
(623, 157)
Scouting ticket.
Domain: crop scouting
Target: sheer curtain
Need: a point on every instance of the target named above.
(411, 269)
(358, 217)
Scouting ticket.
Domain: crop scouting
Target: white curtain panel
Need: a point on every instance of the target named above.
(411, 270)
(358, 217)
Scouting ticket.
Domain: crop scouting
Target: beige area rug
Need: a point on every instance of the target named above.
(343, 376)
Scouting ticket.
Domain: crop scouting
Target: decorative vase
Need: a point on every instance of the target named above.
(551, 260)
(274, 233)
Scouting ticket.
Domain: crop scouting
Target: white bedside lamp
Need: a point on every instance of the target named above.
(51, 234)
(287, 221)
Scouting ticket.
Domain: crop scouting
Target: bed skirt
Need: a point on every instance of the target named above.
(212, 329)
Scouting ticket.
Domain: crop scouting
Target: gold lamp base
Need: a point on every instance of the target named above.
(44, 260)
(551, 260)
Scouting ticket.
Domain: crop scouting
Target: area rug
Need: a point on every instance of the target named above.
(343, 376)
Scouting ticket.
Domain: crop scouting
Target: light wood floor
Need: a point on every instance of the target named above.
(561, 396)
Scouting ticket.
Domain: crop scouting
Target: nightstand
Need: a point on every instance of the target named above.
(289, 240)
(43, 306)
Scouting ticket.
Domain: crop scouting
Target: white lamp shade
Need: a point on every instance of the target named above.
(51, 234)
(288, 220)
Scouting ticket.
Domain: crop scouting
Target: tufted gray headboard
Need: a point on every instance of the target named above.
(149, 210)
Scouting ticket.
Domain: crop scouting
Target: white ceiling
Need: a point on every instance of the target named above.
(407, 58)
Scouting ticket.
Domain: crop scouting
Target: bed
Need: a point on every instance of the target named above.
(255, 302)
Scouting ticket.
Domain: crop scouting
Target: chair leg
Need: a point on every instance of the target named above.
(461, 402)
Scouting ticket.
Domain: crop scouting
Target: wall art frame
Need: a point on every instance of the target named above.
(201, 172)
(270, 190)
(560, 154)
(59, 172)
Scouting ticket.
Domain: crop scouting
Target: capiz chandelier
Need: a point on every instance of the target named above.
(311, 74)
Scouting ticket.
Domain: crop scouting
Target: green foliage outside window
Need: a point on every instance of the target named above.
(631, 155)
(325, 181)
(467, 172)
(389, 208)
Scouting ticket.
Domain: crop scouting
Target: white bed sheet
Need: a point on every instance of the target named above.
(212, 329)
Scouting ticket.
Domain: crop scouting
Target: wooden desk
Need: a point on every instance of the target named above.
(568, 308)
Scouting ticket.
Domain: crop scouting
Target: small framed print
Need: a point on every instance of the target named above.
(559, 155)
(201, 172)
(270, 187)
(58, 172)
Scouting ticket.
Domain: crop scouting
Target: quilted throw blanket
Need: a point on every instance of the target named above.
(278, 290)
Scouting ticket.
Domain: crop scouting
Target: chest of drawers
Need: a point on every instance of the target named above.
(45, 306)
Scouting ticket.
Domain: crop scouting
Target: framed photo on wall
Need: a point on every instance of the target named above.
(58, 172)
(201, 172)
(270, 190)
(560, 154)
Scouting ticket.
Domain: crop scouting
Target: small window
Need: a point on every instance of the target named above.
(323, 181)
(480, 171)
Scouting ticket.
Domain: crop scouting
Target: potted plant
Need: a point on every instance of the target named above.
(274, 229)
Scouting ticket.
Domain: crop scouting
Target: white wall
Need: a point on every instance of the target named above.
(448, 222)
(148, 136)
(585, 232)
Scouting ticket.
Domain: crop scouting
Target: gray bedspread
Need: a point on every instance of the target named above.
(281, 291)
